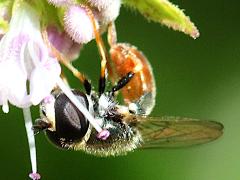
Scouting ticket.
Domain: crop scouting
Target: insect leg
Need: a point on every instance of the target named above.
(64, 78)
(102, 52)
(122, 82)
(112, 34)
(40, 125)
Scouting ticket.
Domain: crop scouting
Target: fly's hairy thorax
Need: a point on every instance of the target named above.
(122, 140)
(124, 136)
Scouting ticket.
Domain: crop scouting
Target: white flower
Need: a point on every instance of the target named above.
(24, 57)
(4, 18)
(28, 70)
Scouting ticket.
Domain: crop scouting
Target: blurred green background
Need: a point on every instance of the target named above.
(195, 78)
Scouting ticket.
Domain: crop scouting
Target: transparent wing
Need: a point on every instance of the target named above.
(170, 132)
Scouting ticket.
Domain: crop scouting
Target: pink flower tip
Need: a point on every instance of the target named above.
(103, 135)
(35, 176)
(195, 34)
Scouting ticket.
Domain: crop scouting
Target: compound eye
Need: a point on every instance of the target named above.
(70, 123)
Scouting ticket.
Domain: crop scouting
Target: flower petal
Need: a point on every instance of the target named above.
(39, 87)
(13, 83)
(24, 56)
(43, 79)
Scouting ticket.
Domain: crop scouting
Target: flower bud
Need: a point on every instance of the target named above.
(59, 3)
(101, 4)
(78, 24)
(110, 12)
(63, 43)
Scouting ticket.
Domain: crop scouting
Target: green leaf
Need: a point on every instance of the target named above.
(166, 13)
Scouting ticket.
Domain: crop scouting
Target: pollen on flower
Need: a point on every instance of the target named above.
(78, 24)
(103, 135)
(35, 176)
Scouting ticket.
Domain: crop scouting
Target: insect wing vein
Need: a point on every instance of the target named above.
(167, 131)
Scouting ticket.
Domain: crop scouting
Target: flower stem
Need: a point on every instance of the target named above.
(31, 139)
